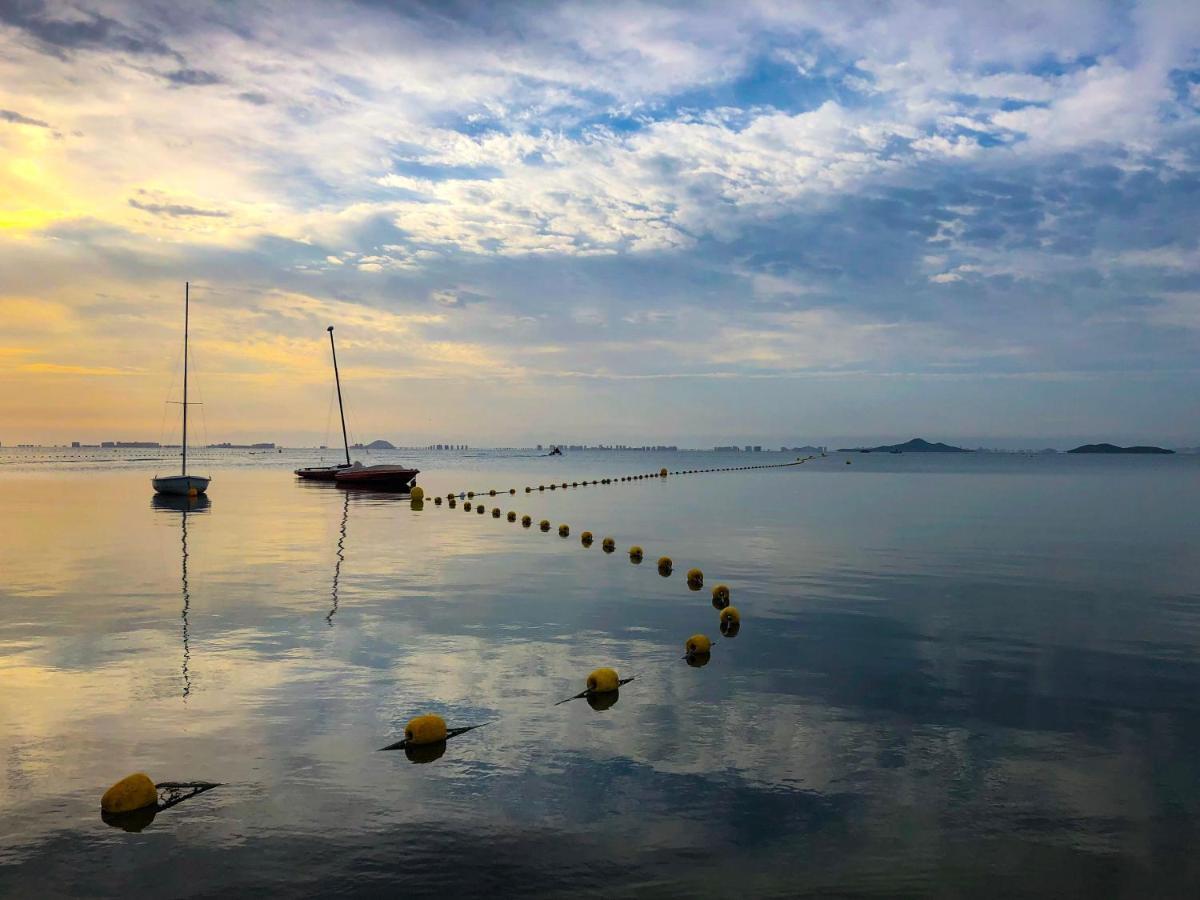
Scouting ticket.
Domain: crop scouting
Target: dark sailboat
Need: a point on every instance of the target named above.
(355, 474)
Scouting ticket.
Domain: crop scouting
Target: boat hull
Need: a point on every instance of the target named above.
(390, 478)
(181, 485)
(321, 473)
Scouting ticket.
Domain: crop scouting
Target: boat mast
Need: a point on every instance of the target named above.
(186, 287)
(338, 381)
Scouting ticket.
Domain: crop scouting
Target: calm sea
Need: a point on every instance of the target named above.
(966, 675)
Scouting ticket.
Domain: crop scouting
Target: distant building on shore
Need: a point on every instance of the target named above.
(131, 445)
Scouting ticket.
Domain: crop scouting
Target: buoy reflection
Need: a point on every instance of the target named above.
(601, 702)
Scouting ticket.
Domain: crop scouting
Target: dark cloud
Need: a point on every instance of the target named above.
(254, 97)
(177, 210)
(90, 31)
(7, 115)
(192, 77)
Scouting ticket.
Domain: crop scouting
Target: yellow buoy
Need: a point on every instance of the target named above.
(417, 493)
(451, 503)
(602, 681)
(665, 565)
(417, 504)
(437, 501)
(720, 594)
(635, 553)
(662, 473)
(585, 538)
(512, 490)
(544, 524)
(564, 484)
(574, 484)
(563, 530)
(541, 487)
(470, 493)
(512, 516)
(695, 579)
(528, 489)
(132, 792)
(697, 643)
(492, 492)
(428, 729)
(495, 512)
(526, 521)
(467, 507)
(554, 487)
(608, 544)
(730, 616)
(479, 509)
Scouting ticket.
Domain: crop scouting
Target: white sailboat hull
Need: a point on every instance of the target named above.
(181, 485)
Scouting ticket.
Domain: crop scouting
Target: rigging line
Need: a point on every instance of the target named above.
(200, 403)
(163, 436)
(328, 422)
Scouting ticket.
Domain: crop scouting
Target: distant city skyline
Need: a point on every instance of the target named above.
(692, 224)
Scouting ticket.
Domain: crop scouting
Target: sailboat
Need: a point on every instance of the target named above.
(329, 473)
(355, 474)
(183, 484)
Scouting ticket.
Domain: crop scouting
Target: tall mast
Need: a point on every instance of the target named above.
(338, 381)
(186, 287)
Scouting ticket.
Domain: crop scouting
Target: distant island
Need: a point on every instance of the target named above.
(916, 445)
(375, 445)
(1113, 448)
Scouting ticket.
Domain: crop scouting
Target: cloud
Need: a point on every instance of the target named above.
(649, 192)
(193, 78)
(176, 209)
(78, 30)
(8, 115)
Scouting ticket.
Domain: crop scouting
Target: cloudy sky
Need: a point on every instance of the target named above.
(693, 223)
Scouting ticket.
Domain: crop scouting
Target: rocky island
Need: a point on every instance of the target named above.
(916, 445)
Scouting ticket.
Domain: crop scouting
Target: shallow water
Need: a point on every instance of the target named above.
(955, 675)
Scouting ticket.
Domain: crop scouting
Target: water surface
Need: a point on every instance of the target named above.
(956, 675)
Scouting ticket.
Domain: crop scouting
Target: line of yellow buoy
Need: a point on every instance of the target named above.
(698, 647)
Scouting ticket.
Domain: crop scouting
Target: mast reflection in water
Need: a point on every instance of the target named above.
(169, 504)
(341, 557)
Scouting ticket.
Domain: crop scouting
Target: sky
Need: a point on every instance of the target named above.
(693, 223)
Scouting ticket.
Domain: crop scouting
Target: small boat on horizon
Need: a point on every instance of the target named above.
(183, 484)
(355, 474)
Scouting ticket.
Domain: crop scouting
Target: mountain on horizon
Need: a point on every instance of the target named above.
(916, 445)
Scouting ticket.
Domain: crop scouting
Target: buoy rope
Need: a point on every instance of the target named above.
(618, 479)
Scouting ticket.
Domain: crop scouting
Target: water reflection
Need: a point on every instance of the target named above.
(341, 557)
(167, 503)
